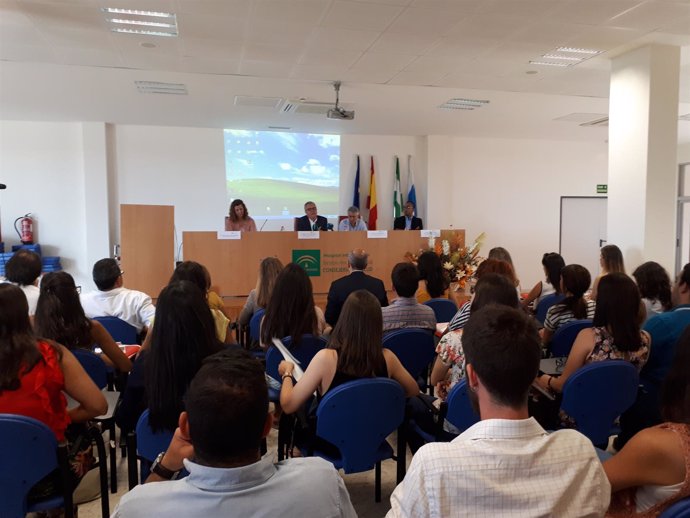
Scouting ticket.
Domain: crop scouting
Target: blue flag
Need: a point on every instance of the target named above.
(355, 196)
(411, 194)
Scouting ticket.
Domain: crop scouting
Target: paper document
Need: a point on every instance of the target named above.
(298, 372)
(546, 393)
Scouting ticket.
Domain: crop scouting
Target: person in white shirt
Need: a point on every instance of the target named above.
(353, 221)
(24, 269)
(113, 300)
(507, 464)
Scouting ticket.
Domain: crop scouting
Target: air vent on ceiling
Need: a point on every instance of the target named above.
(581, 117)
(602, 122)
(463, 104)
(258, 102)
(156, 87)
(279, 128)
(306, 107)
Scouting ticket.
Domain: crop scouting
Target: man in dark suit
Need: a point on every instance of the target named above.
(311, 220)
(408, 221)
(357, 280)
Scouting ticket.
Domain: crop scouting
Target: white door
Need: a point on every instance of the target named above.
(583, 230)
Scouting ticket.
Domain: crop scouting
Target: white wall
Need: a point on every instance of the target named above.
(511, 190)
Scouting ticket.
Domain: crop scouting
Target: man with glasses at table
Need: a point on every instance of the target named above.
(311, 220)
(113, 300)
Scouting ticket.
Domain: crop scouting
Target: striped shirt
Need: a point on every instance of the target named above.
(461, 317)
(558, 314)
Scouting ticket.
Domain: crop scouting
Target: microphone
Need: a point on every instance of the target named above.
(2, 186)
(329, 226)
(262, 226)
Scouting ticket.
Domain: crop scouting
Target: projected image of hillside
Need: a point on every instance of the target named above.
(276, 173)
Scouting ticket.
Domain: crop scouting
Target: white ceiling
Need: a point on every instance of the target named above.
(398, 59)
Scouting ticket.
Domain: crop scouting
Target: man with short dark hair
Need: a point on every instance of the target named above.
(218, 442)
(353, 221)
(311, 219)
(506, 464)
(24, 269)
(408, 221)
(340, 289)
(113, 300)
(404, 311)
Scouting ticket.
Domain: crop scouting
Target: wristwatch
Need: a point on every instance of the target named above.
(161, 470)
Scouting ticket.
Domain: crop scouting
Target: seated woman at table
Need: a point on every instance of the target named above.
(34, 373)
(60, 317)
(183, 335)
(552, 263)
(652, 470)
(354, 352)
(291, 310)
(575, 281)
(433, 280)
(616, 334)
(258, 298)
(238, 218)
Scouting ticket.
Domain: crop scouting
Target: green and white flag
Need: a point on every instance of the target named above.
(397, 191)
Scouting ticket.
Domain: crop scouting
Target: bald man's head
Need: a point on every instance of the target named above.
(358, 259)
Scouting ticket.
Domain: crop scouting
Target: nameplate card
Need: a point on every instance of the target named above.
(229, 234)
(377, 234)
(430, 233)
(308, 234)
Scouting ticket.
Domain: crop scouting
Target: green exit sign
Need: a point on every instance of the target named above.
(602, 188)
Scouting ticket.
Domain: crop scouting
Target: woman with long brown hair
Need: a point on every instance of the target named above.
(258, 298)
(238, 218)
(611, 261)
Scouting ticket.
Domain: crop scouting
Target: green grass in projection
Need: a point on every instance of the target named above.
(284, 196)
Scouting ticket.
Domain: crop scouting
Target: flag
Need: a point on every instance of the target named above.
(355, 196)
(397, 191)
(411, 195)
(371, 199)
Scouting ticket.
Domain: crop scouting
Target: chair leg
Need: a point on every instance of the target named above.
(377, 483)
(401, 453)
(113, 457)
(132, 475)
(64, 466)
(103, 472)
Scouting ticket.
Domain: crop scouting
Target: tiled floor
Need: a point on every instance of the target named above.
(360, 486)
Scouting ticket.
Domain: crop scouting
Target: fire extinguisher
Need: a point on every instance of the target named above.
(25, 230)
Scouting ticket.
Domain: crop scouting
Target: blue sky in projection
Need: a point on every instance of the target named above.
(293, 157)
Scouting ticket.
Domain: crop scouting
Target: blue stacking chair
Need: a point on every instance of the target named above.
(145, 444)
(564, 337)
(460, 412)
(356, 417)
(596, 394)
(254, 332)
(120, 330)
(680, 509)
(444, 309)
(545, 304)
(415, 348)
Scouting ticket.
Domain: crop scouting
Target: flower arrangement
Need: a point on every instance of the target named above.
(459, 261)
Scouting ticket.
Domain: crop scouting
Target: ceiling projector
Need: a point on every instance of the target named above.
(338, 112)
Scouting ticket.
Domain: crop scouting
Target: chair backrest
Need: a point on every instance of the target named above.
(150, 443)
(357, 416)
(596, 394)
(460, 412)
(94, 366)
(681, 509)
(444, 309)
(545, 304)
(28, 450)
(564, 337)
(414, 348)
(308, 346)
(255, 324)
(120, 330)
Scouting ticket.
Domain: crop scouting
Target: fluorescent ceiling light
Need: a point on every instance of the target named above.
(564, 58)
(158, 87)
(548, 64)
(155, 14)
(142, 31)
(574, 50)
(455, 107)
(467, 103)
(143, 22)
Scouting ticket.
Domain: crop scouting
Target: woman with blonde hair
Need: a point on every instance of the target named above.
(611, 261)
(258, 298)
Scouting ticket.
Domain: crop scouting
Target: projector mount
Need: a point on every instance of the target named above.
(338, 112)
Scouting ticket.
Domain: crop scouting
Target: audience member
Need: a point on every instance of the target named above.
(433, 280)
(611, 261)
(24, 269)
(60, 317)
(291, 310)
(552, 263)
(575, 281)
(354, 352)
(114, 300)
(655, 288)
(353, 221)
(218, 441)
(340, 289)
(311, 220)
(408, 221)
(665, 329)
(34, 373)
(258, 298)
(506, 464)
(501, 254)
(651, 472)
(183, 336)
(238, 218)
(404, 311)
(487, 266)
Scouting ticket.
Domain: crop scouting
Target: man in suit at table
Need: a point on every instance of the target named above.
(408, 221)
(311, 220)
(340, 289)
